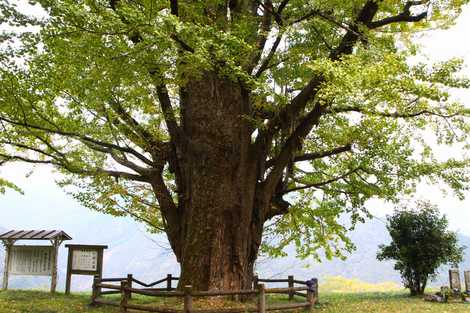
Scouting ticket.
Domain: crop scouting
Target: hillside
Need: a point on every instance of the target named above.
(131, 250)
(361, 264)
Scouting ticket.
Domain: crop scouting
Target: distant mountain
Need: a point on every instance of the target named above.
(148, 257)
(361, 264)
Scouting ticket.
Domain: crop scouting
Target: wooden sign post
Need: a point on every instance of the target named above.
(84, 260)
(6, 264)
(32, 260)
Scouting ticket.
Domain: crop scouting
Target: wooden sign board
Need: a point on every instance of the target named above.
(31, 260)
(467, 280)
(454, 279)
(84, 260)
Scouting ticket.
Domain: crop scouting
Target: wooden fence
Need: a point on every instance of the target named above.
(126, 288)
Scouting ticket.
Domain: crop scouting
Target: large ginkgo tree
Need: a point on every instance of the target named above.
(233, 126)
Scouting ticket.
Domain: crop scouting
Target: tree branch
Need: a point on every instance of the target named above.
(167, 109)
(265, 29)
(315, 155)
(308, 92)
(392, 115)
(404, 16)
(145, 135)
(68, 167)
(265, 64)
(82, 138)
(366, 15)
(323, 183)
(289, 147)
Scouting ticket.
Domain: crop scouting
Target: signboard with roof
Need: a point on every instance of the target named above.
(32, 260)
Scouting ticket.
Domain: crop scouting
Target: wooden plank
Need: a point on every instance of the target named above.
(75, 246)
(7, 234)
(110, 292)
(108, 286)
(46, 234)
(288, 306)
(223, 293)
(57, 234)
(18, 234)
(157, 289)
(38, 234)
(157, 293)
(53, 235)
(147, 308)
(113, 279)
(151, 284)
(31, 234)
(285, 290)
(273, 280)
(300, 294)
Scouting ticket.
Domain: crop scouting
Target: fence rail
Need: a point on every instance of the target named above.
(126, 289)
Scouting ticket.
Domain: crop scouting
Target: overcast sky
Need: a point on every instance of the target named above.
(44, 205)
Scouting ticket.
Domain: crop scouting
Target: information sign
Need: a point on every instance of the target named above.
(31, 260)
(84, 260)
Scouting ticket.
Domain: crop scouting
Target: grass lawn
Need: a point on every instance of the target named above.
(388, 302)
(331, 302)
(15, 301)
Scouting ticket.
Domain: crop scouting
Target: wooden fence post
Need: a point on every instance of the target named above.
(94, 290)
(291, 285)
(188, 299)
(255, 281)
(98, 288)
(310, 299)
(261, 299)
(168, 282)
(312, 292)
(315, 290)
(124, 296)
(129, 284)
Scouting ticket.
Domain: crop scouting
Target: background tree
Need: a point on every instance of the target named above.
(217, 121)
(420, 244)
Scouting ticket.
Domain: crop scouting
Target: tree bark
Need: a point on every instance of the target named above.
(219, 187)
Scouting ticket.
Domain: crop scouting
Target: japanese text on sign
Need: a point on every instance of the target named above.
(31, 260)
(84, 260)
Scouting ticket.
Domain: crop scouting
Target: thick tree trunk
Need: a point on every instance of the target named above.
(220, 227)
